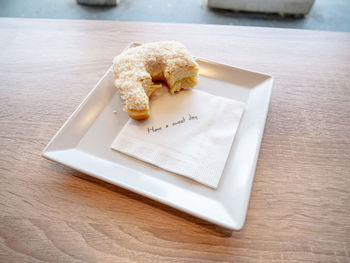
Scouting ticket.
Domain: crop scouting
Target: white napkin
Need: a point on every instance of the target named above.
(189, 133)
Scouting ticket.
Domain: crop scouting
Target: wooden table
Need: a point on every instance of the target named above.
(300, 204)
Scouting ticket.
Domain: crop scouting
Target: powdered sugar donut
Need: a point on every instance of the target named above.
(136, 69)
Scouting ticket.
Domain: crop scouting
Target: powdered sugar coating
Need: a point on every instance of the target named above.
(135, 67)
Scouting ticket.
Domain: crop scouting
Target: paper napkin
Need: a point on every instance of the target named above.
(189, 133)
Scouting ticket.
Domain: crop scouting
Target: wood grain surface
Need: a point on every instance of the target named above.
(300, 204)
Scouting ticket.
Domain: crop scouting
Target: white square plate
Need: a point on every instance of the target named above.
(83, 143)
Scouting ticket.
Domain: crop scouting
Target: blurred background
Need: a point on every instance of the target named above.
(333, 15)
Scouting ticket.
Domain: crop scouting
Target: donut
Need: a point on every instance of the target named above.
(136, 69)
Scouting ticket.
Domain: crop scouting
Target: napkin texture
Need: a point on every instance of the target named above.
(189, 133)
